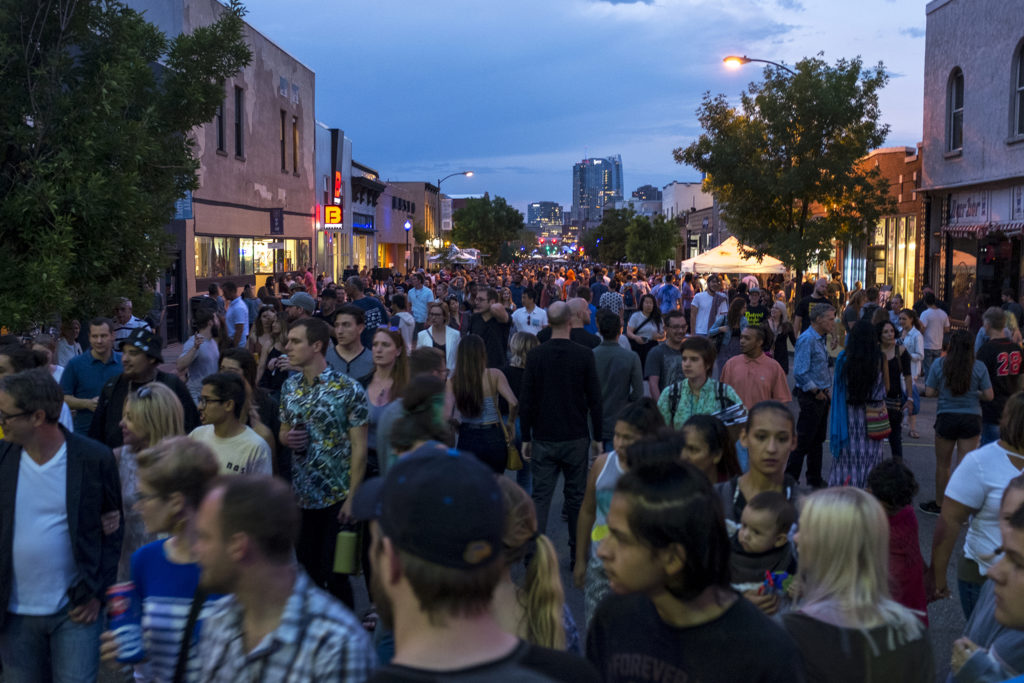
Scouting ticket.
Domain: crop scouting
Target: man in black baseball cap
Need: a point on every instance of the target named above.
(436, 550)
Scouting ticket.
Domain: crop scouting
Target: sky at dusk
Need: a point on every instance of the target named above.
(519, 91)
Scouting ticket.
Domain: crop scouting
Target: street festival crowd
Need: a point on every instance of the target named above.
(413, 429)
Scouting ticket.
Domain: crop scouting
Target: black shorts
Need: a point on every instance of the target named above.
(954, 426)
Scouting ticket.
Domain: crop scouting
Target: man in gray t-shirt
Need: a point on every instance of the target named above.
(664, 364)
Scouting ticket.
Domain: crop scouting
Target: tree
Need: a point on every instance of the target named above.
(651, 241)
(783, 165)
(486, 224)
(607, 242)
(96, 106)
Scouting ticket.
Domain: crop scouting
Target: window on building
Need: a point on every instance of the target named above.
(295, 145)
(284, 118)
(955, 112)
(1018, 122)
(239, 122)
(218, 124)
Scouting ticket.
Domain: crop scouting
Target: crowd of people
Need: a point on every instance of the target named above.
(413, 430)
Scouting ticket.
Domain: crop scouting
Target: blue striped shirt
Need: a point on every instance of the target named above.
(810, 362)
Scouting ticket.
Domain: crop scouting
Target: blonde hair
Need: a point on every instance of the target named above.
(156, 410)
(520, 345)
(844, 562)
(542, 596)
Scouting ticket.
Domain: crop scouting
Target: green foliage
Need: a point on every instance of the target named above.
(97, 109)
(486, 224)
(607, 242)
(651, 242)
(784, 165)
(419, 233)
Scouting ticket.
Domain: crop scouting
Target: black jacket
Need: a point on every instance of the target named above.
(93, 488)
(560, 389)
(106, 422)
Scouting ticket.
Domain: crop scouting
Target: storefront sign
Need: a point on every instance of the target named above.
(879, 240)
(969, 208)
(446, 213)
(333, 217)
(1017, 203)
(277, 221)
(183, 207)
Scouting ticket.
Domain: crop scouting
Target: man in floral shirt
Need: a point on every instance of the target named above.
(324, 417)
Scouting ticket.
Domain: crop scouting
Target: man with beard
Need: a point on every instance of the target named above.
(276, 626)
(141, 356)
(436, 549)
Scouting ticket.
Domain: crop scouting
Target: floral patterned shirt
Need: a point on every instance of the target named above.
(333, 404)
(706, 403)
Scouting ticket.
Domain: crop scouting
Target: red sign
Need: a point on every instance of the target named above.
(337, 184)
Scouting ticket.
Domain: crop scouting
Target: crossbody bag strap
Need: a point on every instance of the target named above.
(198, 598)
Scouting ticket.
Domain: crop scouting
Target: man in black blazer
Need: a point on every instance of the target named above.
(60, 535)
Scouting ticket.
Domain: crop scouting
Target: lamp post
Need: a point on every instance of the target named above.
(408, 257)
(468, 174)
(735, 62)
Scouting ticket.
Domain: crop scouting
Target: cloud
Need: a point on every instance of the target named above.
(792, 5)
(912, 31)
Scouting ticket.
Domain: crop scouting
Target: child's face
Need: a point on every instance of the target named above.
(769, 439)
(625, 436)
(757, 531)
(698, 453)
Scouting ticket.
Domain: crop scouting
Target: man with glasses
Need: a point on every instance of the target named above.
(490, 320)
(239, 449)
(61, 556)
(664, 364)
(530, 318)
(141, 357)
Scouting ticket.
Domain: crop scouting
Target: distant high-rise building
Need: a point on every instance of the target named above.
(544, 217)
(647, 193)
(596, 183)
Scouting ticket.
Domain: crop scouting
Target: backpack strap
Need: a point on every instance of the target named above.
(673, 401)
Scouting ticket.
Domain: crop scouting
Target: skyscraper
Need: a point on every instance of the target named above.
(596, 183)
(544, 217)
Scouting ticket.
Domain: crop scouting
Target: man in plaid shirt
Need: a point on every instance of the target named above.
(275, 625)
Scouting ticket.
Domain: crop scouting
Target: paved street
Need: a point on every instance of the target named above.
(946, 618)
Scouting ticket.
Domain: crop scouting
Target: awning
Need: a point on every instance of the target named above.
(727, 258)
(977, 232)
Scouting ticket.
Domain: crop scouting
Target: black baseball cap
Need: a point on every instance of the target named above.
(437, 503)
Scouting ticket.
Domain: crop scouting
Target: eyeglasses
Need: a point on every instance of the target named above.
(5, 417)
(141, 497)
(203, 401)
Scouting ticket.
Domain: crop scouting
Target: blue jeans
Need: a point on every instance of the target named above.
(37, 649)
(570, 458)
(926, 363)
(989, 433)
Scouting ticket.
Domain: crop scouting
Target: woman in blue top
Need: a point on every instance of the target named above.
(961, 383)
(173, 477)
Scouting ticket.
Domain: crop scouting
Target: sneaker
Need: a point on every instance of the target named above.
(930, 508)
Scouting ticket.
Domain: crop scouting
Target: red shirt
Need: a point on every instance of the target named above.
(906, 565)
(756, 380)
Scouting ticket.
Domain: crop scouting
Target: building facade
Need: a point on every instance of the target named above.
(425, 207)
(596, 183)
(253, 215)
(647, 192)
(973, 152)
(678, 199)
(544, 218)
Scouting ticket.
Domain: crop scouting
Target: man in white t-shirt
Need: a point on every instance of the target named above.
(936, 324)
(239, 449)
(530, 318)
(701, 314)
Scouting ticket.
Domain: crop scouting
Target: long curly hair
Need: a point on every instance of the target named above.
(863, 363)
(958, 365)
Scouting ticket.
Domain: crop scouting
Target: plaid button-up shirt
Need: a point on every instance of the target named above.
(318, 640)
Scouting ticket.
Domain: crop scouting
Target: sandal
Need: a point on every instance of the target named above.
(913, 434)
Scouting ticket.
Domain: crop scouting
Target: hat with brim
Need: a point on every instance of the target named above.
(302, 300)
(147, 342)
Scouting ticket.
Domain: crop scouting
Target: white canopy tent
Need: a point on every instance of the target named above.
(727, 258)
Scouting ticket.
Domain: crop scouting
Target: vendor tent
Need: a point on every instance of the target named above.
(726, 258)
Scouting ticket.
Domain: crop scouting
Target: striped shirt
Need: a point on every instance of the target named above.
(166, 590)
(318, 639)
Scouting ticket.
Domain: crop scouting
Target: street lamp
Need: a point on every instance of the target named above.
(468, 174)
(408, 227)
(735, 62)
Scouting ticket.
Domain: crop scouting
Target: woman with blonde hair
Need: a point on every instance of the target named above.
(151, 413)
(535, 609)
(519, 346)
(846, 621)
(438, 334)
(273, 367)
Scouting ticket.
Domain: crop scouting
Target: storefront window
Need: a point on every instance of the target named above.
(204, 256)
(963, 271)
(263, 257)
(221, 257)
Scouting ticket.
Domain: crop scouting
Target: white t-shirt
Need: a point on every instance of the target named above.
(935, 321)
(246, 453)
(42, 558)
(978, 482)
(705, 316)
(529, 321)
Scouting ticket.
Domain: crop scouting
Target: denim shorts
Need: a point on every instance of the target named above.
(954, 426)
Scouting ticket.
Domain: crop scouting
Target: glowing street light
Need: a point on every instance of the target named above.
(735, 62)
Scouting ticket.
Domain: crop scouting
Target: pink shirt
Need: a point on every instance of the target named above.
(760, 379)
